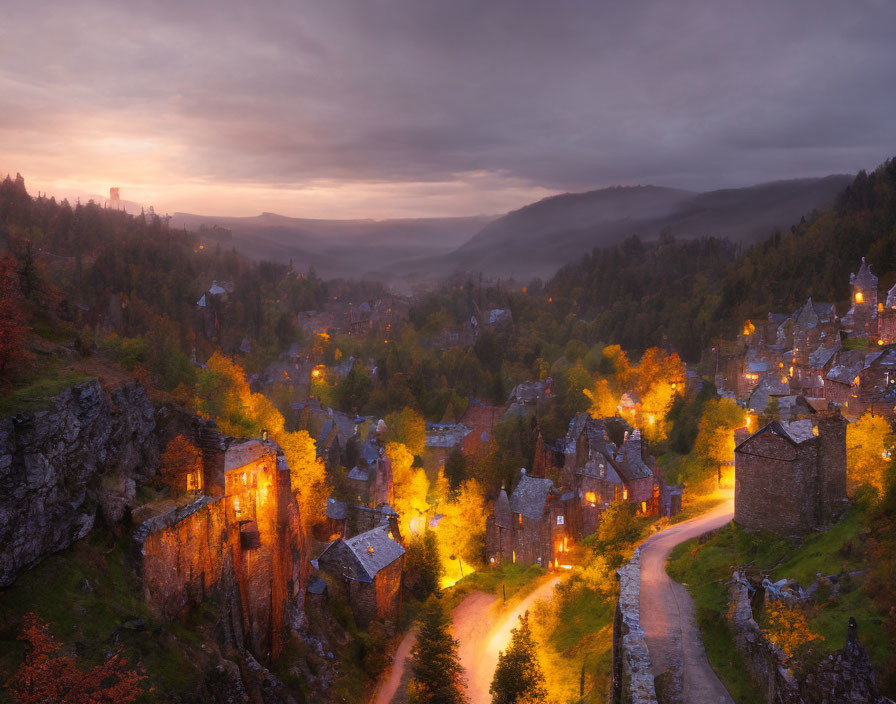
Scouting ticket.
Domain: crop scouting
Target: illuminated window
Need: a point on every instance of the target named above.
(860, 297)
(590, 497)
(625, 494)
(236, 506)
(194, 481)
(513, 556)
(643, 507)
(565, 543)
(520, 518)
(245, 478)
(559, 520)
(880, 307)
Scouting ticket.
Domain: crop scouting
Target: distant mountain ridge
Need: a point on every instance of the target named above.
(339, 248)
(539, 238)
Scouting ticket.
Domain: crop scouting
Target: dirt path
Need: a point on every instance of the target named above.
(390, 685)
(668, 616)
(483, 630)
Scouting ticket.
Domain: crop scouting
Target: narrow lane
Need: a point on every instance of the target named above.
(483, 629)
(668, 616)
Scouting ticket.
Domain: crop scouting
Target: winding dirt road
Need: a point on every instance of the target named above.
(668, 616)
(483, 629)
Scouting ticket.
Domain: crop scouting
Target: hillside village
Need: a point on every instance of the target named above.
(297, 467)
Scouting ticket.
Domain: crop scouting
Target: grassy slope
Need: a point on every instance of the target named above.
(87, 593)
(705, 567)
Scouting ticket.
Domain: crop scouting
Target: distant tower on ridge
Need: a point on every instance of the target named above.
(114, 198)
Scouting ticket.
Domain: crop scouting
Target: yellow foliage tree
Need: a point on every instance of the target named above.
(407, 428)
(411, 488)
(307, 474)
(715, 435)
(463, 522)
(223, 394)
(604, 401)
(660, 377)
(787, 627)
(868, 444)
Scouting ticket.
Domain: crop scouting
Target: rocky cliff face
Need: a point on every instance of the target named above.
(62, 466)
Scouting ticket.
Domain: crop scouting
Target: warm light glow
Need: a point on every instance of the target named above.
(520, 517)
(236, 506)
(643, 507)
(625, 494)
(880, 307)
(783, 379)
(651, 419)
(245, 478)
(880, 342)
(860, 297)
(591, 497)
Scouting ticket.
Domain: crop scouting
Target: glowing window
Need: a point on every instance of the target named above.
(643, 507)
(590, 497)
(194, 481)
(236, 506)
(625, 494)
(245, 478)
(860, 297)
(520, 518)
(513, 556)
(559, 520)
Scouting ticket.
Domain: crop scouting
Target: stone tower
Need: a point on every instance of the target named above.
(864, 302)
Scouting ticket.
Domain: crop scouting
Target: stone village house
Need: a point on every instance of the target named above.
(368, 567)
(790, 478)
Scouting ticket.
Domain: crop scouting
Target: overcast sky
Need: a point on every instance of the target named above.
(383, 108)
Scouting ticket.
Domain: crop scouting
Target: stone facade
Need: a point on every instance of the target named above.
(246, 548)
(791, 478)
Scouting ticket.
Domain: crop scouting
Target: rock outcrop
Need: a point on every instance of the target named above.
(62, 466)
(845, 676)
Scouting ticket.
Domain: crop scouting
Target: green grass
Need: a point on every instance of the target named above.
(34, 388)
(705, 567)
(90, 619)
(514, 580)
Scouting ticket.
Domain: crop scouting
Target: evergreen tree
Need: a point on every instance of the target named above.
(435, 669)
(518, 677)
(423, 565)
(455, 468)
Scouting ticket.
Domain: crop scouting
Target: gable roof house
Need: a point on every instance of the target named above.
(790, 478)
(369, 567)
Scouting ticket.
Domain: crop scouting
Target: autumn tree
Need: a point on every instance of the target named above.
(307, 474)
(223, 394)
(46, 677)
(660, 378)
(462, 527)
(408, 428)
(715, 434)
(519, 678)
(868, 444)
(618, 523)
(436, 672)
(786, 626)
(604, 401)
(12, 329)
(411, 487)
(180, 459)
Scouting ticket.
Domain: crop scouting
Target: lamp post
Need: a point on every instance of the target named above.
(461, 564)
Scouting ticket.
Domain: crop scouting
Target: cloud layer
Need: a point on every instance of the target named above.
(417, 107)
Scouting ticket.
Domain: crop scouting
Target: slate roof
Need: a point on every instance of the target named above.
(630, 461)
(337, 510)
(530, 495)
(385, 550)
(844, 374)
(864, 277)
(758, 367)
(358, 474)
(240, 454)
(801, 432)
(891, 297)
(445, 434)
(820, 357)
(770, 385)
(502, 512)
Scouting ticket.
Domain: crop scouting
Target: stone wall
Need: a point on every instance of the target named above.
(632, 681)
(62, 466)
(844, 677)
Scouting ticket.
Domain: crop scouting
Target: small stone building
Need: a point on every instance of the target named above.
(790, 478)
(370, 567)
(533, 526)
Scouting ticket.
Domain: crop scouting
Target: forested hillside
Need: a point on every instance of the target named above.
(687, 292)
